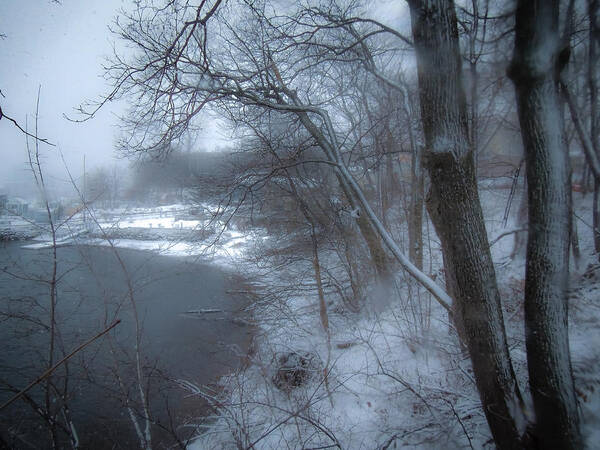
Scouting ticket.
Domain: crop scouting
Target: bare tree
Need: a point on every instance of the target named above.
(55, 380)
(51, 393)
(308, 64)
(260, 61)
(455, 210)
(538, 60)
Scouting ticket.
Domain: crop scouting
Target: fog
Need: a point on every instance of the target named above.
(400, 249)
(60, 49)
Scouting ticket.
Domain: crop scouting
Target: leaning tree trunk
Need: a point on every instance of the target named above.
(454, 207)
(536, 65)
(379, 258)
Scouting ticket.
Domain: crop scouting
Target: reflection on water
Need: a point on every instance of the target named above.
(100, 382)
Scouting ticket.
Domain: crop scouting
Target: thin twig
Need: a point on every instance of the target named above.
(45, 141)
(462, 425)
(58, 364)
(507, 233)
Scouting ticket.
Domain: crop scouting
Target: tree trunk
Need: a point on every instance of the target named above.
(415, 224)
(379, 258)
(534, 70)
(415, 219)
(453, 203)
(387, 187)
(593, 75)
(593, 81)
(417, 188)
(521, 236)
(349, 185)
(373, 240)
(575, 242)
(596, 217)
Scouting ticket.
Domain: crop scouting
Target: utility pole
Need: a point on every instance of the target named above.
(83, 196)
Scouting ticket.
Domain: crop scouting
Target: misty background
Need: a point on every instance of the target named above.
(60, 48)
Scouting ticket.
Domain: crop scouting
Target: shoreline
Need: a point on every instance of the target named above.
(189, 350)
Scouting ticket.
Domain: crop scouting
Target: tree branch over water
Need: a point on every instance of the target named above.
(57, 365)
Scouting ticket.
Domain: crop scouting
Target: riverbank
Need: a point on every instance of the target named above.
(174, 230)
(393, 374)
(15, 228)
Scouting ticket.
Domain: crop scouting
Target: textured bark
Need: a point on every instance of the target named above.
(521, 236)
(593, 81)
(575, 241)
(596, 217)
(535, 70)
(453, 203)
(594, 71)
(372, 239)
(415, 220)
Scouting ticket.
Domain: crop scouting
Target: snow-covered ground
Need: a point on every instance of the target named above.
(396, 376)
(105, 227)
(16, 227)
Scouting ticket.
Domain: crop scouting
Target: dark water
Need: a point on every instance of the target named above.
(94, 290)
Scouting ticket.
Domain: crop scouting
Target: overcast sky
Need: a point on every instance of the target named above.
(60, 47)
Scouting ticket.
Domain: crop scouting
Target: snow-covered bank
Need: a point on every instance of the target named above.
(169, 230)
(15, 228)
(228, 248)
(390, 383)
(396, 375)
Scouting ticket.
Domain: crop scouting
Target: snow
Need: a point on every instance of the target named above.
(388, 379)
(167, 216)
(157, 222)
(230, 243)
(7, 221)
(396, 374)
(381, 380)
(394, 381)
(11, 225)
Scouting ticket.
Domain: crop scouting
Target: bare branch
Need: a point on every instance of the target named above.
(4, 116)
(58, 364)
